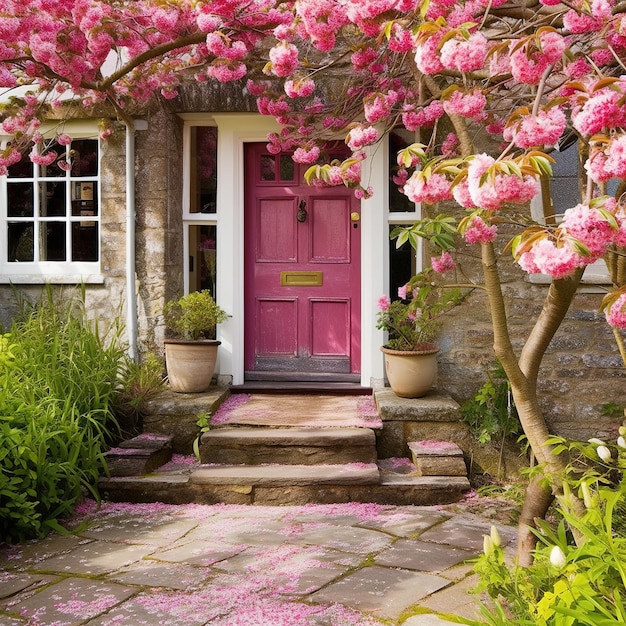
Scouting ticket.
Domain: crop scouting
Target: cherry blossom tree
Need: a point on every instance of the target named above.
(492, 86)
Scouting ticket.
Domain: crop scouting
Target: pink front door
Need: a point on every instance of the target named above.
(302, 274)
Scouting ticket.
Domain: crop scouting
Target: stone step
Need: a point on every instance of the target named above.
(285, 486)
(288, 446)
(437, 458)
(140, 455)
(287, 475)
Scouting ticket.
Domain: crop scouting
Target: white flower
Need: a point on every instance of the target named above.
(495, 537)
(557, 557)
(597, 441)
(621, 442)
(603, 452)
(487, 545)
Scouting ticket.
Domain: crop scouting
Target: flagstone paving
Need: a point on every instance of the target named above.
(229, 565)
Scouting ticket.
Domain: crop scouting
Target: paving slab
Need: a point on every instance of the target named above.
(140, 530)
(400, 525)
(347, 539)
(167, 575)
(287, 475)
(72, 601)
(423, 555)
(464, 533)
(456, 599)
(381, 591)
(198, 553)
(98, 557)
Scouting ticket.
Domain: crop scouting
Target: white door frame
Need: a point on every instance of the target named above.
(234, 130)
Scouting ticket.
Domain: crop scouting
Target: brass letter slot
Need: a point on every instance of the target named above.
(301, 279)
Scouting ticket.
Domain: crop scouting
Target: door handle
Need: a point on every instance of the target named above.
(301, 214)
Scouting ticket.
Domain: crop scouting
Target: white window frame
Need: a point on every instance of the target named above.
(56, 272)
(192, 120)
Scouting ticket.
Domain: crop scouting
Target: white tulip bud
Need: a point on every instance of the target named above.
(603, 452)
(597, 441)
(621, 442)
(495, 537)
(487, 545)
(587, 498)
(557, 557)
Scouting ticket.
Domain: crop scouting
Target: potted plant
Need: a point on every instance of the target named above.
(190, 359)
(412, 323)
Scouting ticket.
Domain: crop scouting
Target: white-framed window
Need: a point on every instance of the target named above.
(50, 215)
(200, 204)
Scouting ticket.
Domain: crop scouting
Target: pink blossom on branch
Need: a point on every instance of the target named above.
(443, 263)
(616, 313)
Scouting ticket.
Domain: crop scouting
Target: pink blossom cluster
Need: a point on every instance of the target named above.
(601, 111)
(428, 189)
(464, 54)
(616, 312)
(467, 104)
(543, 129)
(478, 231)
(361, 136)
(560, 254)
(443, 263)
(496, 189)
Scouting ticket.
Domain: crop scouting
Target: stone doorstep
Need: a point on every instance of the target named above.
(437, 458)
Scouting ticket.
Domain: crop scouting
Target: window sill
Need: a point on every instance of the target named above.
(39, 279)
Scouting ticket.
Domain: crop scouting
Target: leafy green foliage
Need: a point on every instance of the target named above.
(570, 583)
(139, 382)
(412, 323)
(58, 377)
(491, 412)
(194, 316)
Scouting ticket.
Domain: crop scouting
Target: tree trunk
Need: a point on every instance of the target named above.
(522, 373)
(537, 501)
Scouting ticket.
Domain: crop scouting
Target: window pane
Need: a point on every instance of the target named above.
(203, 169)
(52, 199)
(85, 241)
(84, 156)
(23, 169)
(53, 170)
(20, 201)
(52, 236)
(20, 236)
(268, 167)
(287, 167)
(202, 250)
(398, 202)
(401, 265)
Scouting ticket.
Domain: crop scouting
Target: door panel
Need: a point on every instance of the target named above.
(302, 273)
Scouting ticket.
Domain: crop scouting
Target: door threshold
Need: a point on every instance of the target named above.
(301, 387)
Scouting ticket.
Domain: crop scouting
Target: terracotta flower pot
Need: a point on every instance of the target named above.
(190, 364)
(411, 374)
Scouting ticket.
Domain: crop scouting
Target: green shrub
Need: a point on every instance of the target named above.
(570, 583)
(58, 379)
(491, 412)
